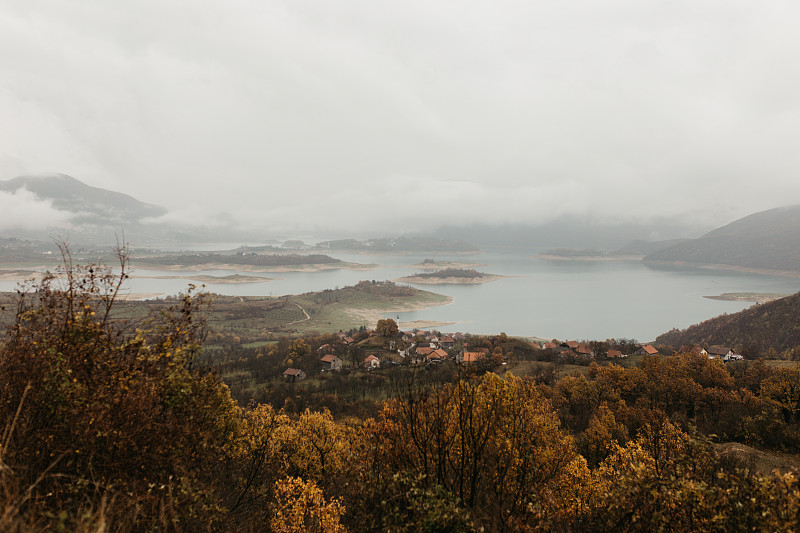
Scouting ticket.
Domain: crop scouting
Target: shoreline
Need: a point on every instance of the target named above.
(215, 280)
(450, 281)
(754, 297)
(729, 268)
(253, 268)
(390, 252)
(629, 257)
(439, 265)
(372, 315)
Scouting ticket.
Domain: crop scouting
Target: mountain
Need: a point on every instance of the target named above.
(579, 231)
(752, 331)
(767, 240)
(647, 247)
(91, 205)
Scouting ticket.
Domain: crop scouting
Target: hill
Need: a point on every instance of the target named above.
(752, 331)
(88, 204)
(400, 245)
(768, 240)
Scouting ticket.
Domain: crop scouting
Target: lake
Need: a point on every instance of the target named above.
(544, 298)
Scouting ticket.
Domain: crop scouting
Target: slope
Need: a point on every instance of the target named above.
(768, 240)
(751, 331)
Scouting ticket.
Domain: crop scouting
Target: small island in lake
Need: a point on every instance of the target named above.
(431, 264)
(450, 276)
(246, 262)
(757, 297)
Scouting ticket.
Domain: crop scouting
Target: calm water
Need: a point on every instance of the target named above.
(561, 299)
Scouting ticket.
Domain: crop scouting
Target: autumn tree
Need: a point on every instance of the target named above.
(387, 327)
(495, 444)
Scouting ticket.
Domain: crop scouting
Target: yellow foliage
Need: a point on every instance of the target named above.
(300, 507)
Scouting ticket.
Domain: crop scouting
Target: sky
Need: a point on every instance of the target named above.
(356, 115)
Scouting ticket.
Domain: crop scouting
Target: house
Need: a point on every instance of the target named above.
(549, 346)
(437, 355)
(424, 351)
(693, 348)
(371, 362)
(584, 350)
(572, 345)
(331, 362)
(325, 348)
(649, 350)
(447, 342)
(614, 354)
(471, 357)
(293, 374)
(719, 352)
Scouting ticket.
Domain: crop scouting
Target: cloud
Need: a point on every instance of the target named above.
(358, 114)
(23, 210)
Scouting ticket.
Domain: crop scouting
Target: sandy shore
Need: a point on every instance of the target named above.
(20, 275)
(441, 265)
(252, 268)
(450, 281)
(216, 280)
(137, 296)
(733, 268)
(371, 316)
(754, 297)
(549, 257)
(424, 324)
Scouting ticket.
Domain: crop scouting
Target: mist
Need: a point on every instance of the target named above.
(304, 116)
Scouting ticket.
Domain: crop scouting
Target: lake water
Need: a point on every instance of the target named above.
(561, 299)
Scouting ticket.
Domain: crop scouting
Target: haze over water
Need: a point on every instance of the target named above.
(561, 299)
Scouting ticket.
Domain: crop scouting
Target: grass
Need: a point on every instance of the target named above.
(258, 344)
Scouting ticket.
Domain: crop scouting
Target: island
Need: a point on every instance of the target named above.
(756, 297)
(231, 279)
(400, 245)
(431, 264)
(246, 262)
(459, 276)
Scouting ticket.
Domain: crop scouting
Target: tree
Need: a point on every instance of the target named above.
(387, 328)
(301, 508)
(494, 444)
(101, 409)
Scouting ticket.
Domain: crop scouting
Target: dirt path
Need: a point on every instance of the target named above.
(308, 317)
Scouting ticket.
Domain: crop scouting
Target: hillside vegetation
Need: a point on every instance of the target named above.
(766, 240)
(117, 425)
(252, 259)
(773, 325)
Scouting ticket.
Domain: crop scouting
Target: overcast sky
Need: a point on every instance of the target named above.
(298, 114)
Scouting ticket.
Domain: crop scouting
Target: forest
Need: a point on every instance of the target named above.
(127, 423)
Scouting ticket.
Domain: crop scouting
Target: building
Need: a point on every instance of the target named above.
(371, 362)
(470, 357)
(331, 362)
(649, 350)
(293, 374)
(719, 352)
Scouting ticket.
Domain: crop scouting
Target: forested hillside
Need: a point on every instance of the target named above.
(766, 240)
(114, 424)
(774, 325)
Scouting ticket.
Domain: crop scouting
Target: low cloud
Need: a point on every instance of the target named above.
(23, 210)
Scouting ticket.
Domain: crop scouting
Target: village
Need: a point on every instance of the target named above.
(420, 348)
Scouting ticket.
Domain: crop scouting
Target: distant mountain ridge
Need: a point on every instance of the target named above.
(768, 240)
(89, 204)
(752, 331)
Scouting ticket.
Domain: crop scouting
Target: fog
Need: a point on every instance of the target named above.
(356, 116)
